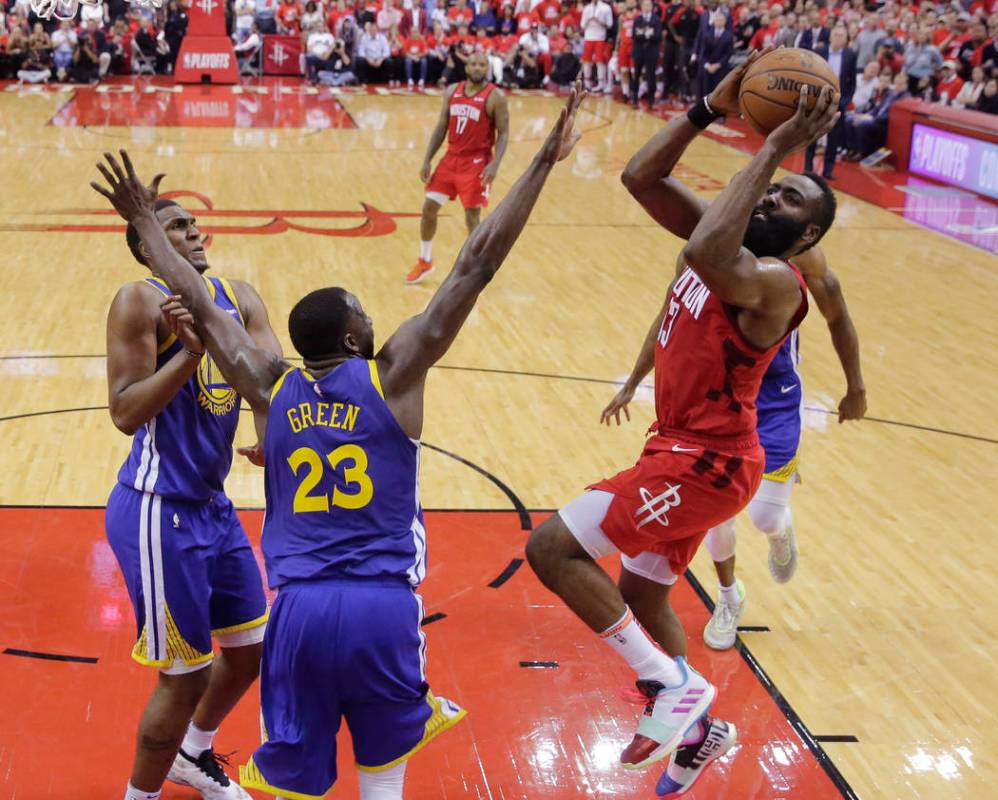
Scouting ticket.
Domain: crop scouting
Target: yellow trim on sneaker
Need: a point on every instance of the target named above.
(250, 777)
(245, 626)
(435, 725)
(784, 473)
(375, 377)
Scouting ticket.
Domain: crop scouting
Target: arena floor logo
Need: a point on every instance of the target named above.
(373, 221)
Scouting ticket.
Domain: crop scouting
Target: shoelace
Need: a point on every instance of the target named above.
(632, 695)
(211, 763)
(725, 616)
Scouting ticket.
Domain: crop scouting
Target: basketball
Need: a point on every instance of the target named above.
(770, 90)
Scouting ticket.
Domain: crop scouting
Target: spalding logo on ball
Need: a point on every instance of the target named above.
(770, 91)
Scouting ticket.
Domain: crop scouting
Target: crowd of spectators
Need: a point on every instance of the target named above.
(111, 37)
(654, 51)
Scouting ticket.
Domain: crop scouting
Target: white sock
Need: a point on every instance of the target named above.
(630, 641)
(426, 250)
(131, 793)
(385, 784)
(601, 75)
(729, 594)
(197, 741)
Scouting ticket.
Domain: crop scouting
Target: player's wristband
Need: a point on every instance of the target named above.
(701, 115)
(192, 354)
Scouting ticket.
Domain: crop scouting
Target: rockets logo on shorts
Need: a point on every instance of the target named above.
(656, 507)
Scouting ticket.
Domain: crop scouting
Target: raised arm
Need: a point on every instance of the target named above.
(498, 108)
(648, 175)
(422, 340)
(251, 370)
(824, 286)
(715, 248)
(437, 137)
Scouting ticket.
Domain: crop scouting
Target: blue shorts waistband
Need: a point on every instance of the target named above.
(390, 581)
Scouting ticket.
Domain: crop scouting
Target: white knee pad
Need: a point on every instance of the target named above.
(721, 541)
(385, 784)
(770, 508)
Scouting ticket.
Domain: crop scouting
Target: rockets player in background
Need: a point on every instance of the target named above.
(474, 119)
(597, 20)
(625, 45)
(779, 407)
(734, 300)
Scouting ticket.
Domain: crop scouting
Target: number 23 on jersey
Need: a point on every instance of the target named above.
(310, 466)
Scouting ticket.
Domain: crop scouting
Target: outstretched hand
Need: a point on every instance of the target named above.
(724, 98)
(619, 403)
(129, 196)
(564, 136)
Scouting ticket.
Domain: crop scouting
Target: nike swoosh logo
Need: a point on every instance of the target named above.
(785, 389)
(677, 449)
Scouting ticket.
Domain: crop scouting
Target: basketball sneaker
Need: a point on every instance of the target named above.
(783, 555)
(720, 632)
(670, 712)
(205, 774)
(420, 271)
(689, 761)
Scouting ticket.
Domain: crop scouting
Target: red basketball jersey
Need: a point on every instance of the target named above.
(471, 132)
(626, 24)
(707, 376)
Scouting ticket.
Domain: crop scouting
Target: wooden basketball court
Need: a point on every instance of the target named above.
(866, 676)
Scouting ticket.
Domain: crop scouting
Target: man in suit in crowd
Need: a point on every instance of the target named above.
(814, 35)
(647, 43)
(842, 60)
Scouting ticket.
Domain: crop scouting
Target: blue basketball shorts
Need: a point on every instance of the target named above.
(780, 434)
(342, 648)
(190, 573)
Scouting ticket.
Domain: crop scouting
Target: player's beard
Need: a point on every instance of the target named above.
(771, 237)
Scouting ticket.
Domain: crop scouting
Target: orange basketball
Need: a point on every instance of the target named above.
(770, 90)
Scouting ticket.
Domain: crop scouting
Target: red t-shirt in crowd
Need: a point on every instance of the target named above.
(333, 18)
(527, 18)
(457, 15)
(573, 18)
(549, 12)
(414, 48)
(950, 88)
(506, 43)
(290, 15)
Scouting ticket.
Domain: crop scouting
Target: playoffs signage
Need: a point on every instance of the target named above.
(206, 54)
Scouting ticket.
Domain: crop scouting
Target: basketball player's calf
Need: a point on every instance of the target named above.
(563, 554)
(181, 719)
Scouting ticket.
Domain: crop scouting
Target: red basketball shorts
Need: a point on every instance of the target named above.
(679, 489)
(460, 176)
(599, 52)
(625, 56)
